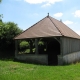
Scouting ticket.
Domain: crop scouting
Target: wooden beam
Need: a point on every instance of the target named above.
(16, 48)
(36, 46)
(31, 46)
(61, 46)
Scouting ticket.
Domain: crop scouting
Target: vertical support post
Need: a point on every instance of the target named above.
(60, 57)
(61, 46)
(16, 48)
(31, 45)
(36, 46)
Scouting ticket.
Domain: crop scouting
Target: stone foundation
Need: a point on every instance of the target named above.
(40, 59)
(71, 58)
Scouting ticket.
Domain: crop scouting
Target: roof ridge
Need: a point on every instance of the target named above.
(56, 26)
(29, 27)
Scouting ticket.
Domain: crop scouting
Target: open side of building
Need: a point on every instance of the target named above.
(61, 44)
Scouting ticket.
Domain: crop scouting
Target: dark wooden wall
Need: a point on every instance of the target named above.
(69, 45)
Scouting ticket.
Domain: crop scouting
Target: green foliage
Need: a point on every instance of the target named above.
(40, 43)
(34, 50)
(7, 32)
(0, 1)
(24, 44)
(27, 51)
(41, 47)
(24, 47)
(1, 15)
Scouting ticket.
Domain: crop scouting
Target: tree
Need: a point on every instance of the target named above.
(1, 15)
(7, 32)
(0, 1)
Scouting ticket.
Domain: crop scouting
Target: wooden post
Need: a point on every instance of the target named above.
(16, 48)
(61, 46)
(31, 45)
(36, 46)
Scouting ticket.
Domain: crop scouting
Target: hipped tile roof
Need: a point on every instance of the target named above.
(48, 27)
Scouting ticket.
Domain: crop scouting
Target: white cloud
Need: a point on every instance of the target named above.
(77, 13)
(68, 22)
(42, 1)
(45, 5)
(58, 14)
(15, 0)
(34, 1)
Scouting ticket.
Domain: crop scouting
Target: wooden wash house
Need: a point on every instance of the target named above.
(61, 43)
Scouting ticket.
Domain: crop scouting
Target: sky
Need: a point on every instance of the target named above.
(26, 13)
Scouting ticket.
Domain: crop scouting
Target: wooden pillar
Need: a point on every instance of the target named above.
(31, 46)
(16, 48)
(61, 46)
(36, 46)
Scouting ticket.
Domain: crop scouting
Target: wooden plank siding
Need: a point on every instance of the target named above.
(69, 45)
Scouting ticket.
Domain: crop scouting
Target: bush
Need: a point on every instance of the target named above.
(23, 46)
(7, 32)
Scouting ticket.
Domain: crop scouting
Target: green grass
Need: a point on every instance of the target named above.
(10, 70)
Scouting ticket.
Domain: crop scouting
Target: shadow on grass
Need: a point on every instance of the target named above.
(27, 62)
(9, 58)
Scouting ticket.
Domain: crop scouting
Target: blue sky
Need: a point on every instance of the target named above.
(27, 12)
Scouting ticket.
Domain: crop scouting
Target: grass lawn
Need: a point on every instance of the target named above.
(10, 70)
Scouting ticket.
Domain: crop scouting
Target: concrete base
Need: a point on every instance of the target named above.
(40, 59)
(43, 59)
(71, 58)
(60, 60)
